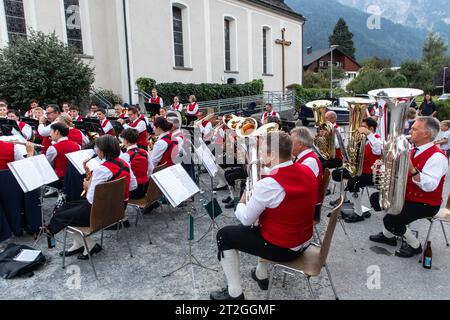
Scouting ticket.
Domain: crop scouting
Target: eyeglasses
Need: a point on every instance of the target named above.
(49, 112)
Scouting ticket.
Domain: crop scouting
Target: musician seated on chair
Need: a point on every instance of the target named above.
(77, 213)
(139, 161)
(139, 124)
(106, 124)
(284, 203)
(74, 134)
(165, 150)
(372, 153)
(428, 167)
(302, 142)
(331, 116)
(25, 130)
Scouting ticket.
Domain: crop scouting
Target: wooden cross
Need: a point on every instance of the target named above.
(283, 44)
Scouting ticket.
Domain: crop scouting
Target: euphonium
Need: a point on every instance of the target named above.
(356, 140)
(246, 127)
(324, 140)
(390, 173)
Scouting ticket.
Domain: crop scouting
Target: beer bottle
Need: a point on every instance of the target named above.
(51, 242)
(427, 256)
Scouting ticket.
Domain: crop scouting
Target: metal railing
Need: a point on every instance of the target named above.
(102, 100)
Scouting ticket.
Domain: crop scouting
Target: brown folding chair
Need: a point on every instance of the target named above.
(311, 262)
(323, 191)
(153, 194)
(107, 210)
(443, 216)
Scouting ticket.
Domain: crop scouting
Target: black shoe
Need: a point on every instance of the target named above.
(381, 238)
(334, 203)
(353, 218)
(223, 295)
(72, 253)
(96, 249)
(263, 284)
(328, 192)
(227, 200)
(367, 214)
(221, 188)
(153, 206)
(230, 205)
(51, 194)
(406, 251)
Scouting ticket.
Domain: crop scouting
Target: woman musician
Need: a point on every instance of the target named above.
(77, 213)
(165, 149)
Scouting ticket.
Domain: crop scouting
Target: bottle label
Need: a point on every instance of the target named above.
(427, 262)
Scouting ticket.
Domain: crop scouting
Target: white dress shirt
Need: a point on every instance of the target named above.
(141, 126)
(206, 131)
(309, 162)
(375, 144)
(18, 153)
(435, 168)
(445, 135)
(267, 193)
(44, 131)
(194, 112)
(107, 127)
(126, 157)
(102, 175)
(159, 148)
(336, 140)
(179, 107)
(85, 140)
(27, 132)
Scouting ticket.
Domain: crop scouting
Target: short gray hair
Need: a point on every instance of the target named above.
(332, 113)
(304, 136)
(432, 124)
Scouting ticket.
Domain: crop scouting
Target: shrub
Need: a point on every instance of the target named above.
(443, 110)
(145, 84)
(305, 95)
(109, 95)
(204, 91)
(42, 67)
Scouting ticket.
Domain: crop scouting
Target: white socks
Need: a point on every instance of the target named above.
(261, 269)
(411, 239)
(91, 243)
(221, 177)
(356, 200)
(388, 234)
(77, 242)
(230, 265)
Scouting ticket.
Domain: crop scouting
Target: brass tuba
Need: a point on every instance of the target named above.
(324, 139)
(390, 173)
(356, 141)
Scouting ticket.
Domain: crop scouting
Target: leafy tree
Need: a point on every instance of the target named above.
(41, 67)
(343, 37)
(434, 52)
(418, 75)
(322, 79)
(376, 63)
(368, 79)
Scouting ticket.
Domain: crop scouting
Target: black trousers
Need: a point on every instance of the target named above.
(75, 213)
(411, 212)
(353, 184)
(190, 119)
(331, 164)
(250, 240)
(139, 192)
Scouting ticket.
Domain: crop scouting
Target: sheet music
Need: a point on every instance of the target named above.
(23, 149)
(32, 173)
(205, 155)
(175, 184)
(79, 157)
(26, 255)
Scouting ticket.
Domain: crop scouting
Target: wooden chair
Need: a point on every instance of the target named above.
(311, 262)
(107, 210)
(153, 194)
(443, 216)
(323, 191)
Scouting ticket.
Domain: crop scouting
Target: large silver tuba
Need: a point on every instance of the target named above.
(390, 173)
(354, 155)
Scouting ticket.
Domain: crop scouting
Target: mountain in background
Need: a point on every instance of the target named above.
(393, 41)
(431, 15)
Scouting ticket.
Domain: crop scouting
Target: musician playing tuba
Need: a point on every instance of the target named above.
(427, 168)
(336, 161)
(283, 203)
(371, 153)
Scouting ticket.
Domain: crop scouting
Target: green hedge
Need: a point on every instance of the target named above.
(203, 92)
(306, 95)
(443, 110)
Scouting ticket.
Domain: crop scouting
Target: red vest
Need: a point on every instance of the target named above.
(110, 132)
(79, 118)
(63, 147)
(21, 125)
(413, 192)
(271, 114)
(156, 100)
(120, 169)
(176, 107)
(205, 123)
(338, 151)
(123, 116)
(46, 142)
(139, 164)
(143, 136)
(191, 107)
(167, 156)
(6, 154)
(76, 136)
(369, 158)
(320, 176)
(291, 223)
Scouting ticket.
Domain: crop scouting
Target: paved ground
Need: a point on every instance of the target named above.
(122, 277)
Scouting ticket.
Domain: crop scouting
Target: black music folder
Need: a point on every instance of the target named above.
(118, 128)
(33, 123)
(7, 126)
(79, 125)
(152, 109)
(93, 125)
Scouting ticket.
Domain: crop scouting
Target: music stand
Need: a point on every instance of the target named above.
(7, 126)
(118, 127)
(93, 126)
(79, 125)
(33, 123)
(152, 109)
